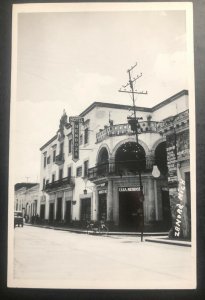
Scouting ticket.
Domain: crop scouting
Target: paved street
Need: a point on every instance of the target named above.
(53, 258)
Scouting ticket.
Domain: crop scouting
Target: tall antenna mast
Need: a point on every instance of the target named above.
(133, 121)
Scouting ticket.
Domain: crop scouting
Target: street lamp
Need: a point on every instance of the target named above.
(155, 171)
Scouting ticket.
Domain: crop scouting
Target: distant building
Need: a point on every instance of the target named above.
(103, 182)
(27, 199)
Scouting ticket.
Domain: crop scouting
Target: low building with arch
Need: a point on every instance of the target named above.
(90, 168)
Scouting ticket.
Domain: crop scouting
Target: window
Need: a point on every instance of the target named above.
(54, 155)
(48, 160)
(79, 171)
(53, 177)
(69, 146)
(69, 171)
(86, 168)
(60, 174)
(86, 136)
(44, 161)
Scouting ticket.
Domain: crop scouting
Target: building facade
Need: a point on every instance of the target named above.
(91, 169)
(26, 200)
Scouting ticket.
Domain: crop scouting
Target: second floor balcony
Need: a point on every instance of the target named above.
(119, 168)
(178, 122)
(125, 129)
(61, 183)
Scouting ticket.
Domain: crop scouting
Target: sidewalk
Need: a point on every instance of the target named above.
(77, 230)
(154, 237)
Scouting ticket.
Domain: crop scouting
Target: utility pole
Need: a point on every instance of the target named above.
(133, 121)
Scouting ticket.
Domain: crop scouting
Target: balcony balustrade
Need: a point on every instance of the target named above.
(98, 171)
(176, 122)
(114, 169)
(67, 181)
(59, 160)
(125, 129)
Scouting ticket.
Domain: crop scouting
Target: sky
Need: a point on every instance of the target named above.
(68, 60)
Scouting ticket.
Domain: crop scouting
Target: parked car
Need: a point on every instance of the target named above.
(18, 218)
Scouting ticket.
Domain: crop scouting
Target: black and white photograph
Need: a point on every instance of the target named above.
(102, 174)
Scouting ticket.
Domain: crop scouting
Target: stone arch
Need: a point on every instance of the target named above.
(163, 139)
(150, 155)
(160, 155)
(131, 139)
(103, 146)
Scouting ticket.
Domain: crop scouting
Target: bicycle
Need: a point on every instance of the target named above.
(91, 227)
(97, 227)
(102, 228)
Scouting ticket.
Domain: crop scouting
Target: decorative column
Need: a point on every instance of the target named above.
(95, 204)
(149, 160)
(156, 200)
(55, 206)
(109, 201)
(63, 207)
(150, 200)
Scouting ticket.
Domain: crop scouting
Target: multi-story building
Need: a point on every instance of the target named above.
(27, 199)
(91, 169)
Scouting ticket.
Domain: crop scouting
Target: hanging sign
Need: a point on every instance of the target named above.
(102, 192)
(75, 150)
(75, 122)
(76, 119)
(171, 159)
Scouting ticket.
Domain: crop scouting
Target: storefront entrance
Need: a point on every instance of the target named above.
(85, 209)
(59, 210)
(51, 212)
(129, 207)
(102, 205)
(68, 212)
(42, 212)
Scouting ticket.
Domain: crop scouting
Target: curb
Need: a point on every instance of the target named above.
(81, 231)
(169, 242)
(155, 237)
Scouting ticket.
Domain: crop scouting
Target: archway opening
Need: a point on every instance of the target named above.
(103, 162)
(103, 156)
(130, 157)
(161, 158)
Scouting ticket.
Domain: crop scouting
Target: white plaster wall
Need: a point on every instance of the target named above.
(177, 106)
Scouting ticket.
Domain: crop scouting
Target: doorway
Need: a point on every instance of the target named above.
(51, 212)
(102, 207)
(86, 209)
(59, 210)
(68, 212)
(129, 206)
(42, 212)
